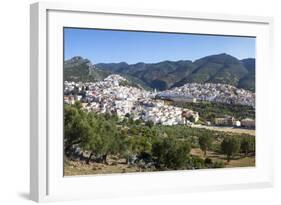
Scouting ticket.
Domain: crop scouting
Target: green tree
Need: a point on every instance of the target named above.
(128, 150)
(110, 137)
(104, 139)
(93, 143)
(247, 145)
(141, 144)
(171, 153)
(149, 123)
(205, 143)
(76, 127)
(230, 146)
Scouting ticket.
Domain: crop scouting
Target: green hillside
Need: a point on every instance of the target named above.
(221, 68)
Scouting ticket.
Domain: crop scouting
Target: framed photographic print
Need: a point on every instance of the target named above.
(127, 102)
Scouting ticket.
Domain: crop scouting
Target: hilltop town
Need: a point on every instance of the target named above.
(113, 95)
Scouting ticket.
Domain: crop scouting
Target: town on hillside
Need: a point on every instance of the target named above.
(137, 101)
(115, 96)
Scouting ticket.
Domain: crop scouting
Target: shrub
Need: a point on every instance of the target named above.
(218, 164)
(195, 162)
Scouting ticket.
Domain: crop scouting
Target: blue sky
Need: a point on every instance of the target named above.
(106, 46)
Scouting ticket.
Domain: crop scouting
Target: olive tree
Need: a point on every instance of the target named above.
(230, 146)
(76, 126)
(247, 145)
(104, 138)
(205, 143)
(171, 153)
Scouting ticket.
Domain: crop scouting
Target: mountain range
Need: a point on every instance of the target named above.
(220, 68)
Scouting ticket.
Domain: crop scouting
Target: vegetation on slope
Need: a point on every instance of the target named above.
(208, 111)
(102, 137)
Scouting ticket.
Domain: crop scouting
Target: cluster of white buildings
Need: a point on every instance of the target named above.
(111, 96)
(114, 96)
(221, 93)
(159, 113)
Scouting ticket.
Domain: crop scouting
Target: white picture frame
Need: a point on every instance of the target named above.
(47, 182)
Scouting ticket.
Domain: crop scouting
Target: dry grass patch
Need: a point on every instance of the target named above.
(237, 161)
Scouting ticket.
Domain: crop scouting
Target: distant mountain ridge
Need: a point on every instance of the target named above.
(220, 68)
